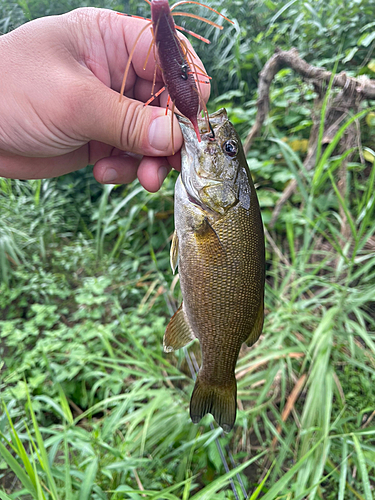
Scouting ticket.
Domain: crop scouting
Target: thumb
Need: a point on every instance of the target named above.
(129, 125)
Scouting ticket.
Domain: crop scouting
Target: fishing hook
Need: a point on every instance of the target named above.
(212, 130)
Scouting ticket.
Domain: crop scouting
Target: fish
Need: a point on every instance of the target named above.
(218, 246)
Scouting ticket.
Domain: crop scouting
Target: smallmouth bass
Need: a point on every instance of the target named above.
(219, 246)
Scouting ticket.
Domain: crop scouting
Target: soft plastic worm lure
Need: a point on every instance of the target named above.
(180, 74)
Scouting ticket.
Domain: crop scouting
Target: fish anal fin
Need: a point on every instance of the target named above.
(174, 252)
(220, 401)
(258, 326)
(178, 332)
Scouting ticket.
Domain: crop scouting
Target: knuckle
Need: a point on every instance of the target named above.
(131, 126)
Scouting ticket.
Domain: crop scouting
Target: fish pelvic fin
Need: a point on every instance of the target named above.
(220, 401)
(178, 332)
(258, 326)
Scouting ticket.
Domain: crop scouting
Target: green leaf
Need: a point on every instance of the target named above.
(282, 483)
(330, 148)
(207, 493)
(89, 480)
(344, 470)
(68, 480)
(366, 39)
(18, 471)
(20, 450)
(350, 55)
(44, 462)
(260, 487)
(281, 11)
(4, 496)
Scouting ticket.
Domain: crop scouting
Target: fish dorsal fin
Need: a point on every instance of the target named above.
(258, 325)
(178, 332)
(174, 252)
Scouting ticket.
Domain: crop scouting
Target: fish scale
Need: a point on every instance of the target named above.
(220, 244)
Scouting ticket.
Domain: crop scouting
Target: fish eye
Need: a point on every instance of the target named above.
(230, 148)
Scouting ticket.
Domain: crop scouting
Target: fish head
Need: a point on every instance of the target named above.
(214, 171)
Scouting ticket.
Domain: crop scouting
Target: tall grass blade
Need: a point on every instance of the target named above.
(292, 160)
(65, 405)
(344, 207)
(39, 490)
(44, 462)
(18, 471)
(344, 470)
(323, 112)
(208, 491)
(260, 487)
(107, 188)
(21, 451)
(281, 11)
(332, 145)
(89, 480)
(282, 483)
(363, 468)
(4, 496)
(68, 479)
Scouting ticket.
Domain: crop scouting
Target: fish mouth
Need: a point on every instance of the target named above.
(207, 130)
(192, 152)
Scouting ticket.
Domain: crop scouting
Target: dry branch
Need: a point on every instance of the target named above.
(348, 100)
(364, 87)
(293, 396)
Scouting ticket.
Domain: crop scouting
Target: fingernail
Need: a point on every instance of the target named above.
(110, 176)
(159, 133)
(162, 174)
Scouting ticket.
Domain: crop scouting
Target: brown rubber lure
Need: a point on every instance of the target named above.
(182, 78)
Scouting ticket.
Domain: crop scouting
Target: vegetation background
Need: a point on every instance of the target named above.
(90, 405)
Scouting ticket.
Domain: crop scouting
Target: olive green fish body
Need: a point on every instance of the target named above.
(220, 243)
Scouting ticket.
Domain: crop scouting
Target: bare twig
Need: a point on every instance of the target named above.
(139, 482)
(354, 90)
(364, 87)
(368, 421)
(275, 248)
(255, 366)
(293, 396)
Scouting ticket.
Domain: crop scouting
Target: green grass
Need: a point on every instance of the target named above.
(91, 407)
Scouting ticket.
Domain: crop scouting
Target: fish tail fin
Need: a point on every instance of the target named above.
(220, 401)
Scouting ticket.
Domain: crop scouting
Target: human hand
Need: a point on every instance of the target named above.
(60, 107)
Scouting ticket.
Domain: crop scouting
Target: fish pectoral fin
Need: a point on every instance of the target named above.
(258, 326)
(178, 332)
(220, 401)
(209, 238)
(174, 252)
